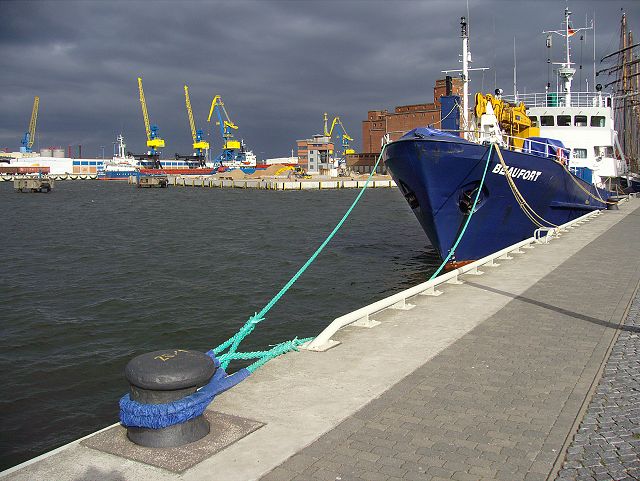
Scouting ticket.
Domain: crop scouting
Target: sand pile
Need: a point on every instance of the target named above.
(277, 170)
(235, 174)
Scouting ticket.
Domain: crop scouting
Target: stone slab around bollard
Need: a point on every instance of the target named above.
(161, 377)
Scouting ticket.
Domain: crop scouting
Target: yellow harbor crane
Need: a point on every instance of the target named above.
(342, 136)
(154, 141)
(30, 135)
(231, 149)
(200, 146)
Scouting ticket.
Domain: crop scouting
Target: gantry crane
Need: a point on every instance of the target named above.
(154, 141)
(30, 135)
(342, 136)
(231, 149)
(200, 146)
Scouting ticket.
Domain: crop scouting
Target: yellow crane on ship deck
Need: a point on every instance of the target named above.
(513, 119)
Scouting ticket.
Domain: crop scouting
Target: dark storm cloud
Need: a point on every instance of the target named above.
(278, 64)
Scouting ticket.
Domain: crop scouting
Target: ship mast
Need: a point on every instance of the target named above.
(566, 71)
(465, 74)
(626, 92)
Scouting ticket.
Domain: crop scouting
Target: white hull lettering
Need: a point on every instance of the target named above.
(517, 173)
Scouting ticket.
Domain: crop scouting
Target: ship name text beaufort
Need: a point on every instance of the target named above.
(516, 173)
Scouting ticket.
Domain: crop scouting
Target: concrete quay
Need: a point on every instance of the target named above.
(488, 381)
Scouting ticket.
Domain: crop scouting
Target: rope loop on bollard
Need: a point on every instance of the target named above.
(158, 416)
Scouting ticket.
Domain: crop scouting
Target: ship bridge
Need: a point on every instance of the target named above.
(585, 127)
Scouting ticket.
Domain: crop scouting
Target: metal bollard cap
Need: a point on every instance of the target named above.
(170, 369)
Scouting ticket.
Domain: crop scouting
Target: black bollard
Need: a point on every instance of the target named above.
(164, 376)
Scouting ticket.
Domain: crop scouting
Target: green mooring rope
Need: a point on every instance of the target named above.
(264, 356)
(473, 210)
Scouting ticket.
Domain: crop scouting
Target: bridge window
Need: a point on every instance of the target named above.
(534, 120)
(564, 120)
(597, 121)
(604, 151)
(547, 121)
(580, 121)
(579, 153)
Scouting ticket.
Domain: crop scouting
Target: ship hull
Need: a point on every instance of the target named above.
(196, 171)
(122, 175)
(439, 177)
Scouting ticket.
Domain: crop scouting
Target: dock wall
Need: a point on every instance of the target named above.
(275, 184)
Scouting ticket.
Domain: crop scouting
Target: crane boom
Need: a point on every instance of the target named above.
(337, 121)
(143, 104)
(33, 121)
(153, 139)
(192, 124)
(343, 136)
(225, 124)
(198, 144)
(30, 135)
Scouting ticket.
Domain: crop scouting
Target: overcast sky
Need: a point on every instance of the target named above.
(277, 64)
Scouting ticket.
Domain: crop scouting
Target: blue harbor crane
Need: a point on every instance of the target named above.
(233, 151)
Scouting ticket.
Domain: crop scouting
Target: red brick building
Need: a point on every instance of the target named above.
(396, 123)
(404, 118)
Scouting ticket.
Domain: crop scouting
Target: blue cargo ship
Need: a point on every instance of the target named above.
(538, 176)
(439, 175)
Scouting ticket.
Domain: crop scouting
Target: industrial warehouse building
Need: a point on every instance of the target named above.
(396, 123)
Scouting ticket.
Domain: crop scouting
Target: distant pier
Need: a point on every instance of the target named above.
(278, 184)
(149, 181)
(42, 184)
(489, 380)
(55, 177)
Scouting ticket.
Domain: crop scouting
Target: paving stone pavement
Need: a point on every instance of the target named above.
(502, 401)
(607, 444)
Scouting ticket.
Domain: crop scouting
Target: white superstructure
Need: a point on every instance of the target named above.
(585, 126)
(583, 121)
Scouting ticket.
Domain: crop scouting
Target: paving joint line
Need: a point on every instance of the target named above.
(562, 452)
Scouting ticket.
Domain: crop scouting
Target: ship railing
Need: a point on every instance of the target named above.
(508, 142)
(562, 154)
(559, 99)
(505, 141)
(362, 317)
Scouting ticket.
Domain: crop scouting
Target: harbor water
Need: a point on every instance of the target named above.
(96, 273)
